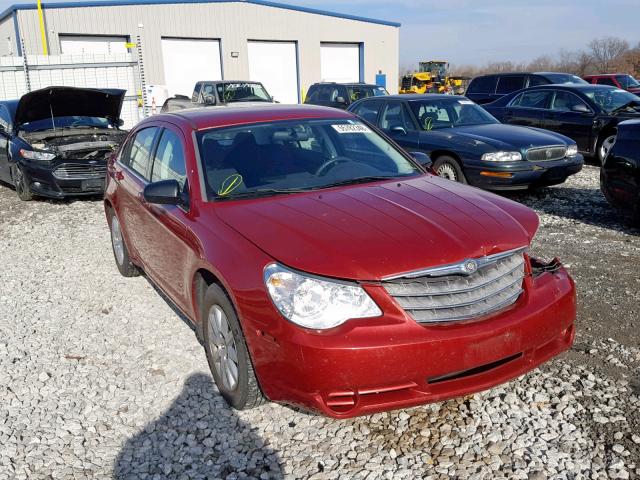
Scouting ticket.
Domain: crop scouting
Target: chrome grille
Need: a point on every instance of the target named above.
(546, 154)
(451, 293)
(80, 171)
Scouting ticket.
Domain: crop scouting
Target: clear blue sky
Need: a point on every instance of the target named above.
(478, 31)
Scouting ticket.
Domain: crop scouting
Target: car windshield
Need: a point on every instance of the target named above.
(627, 81)
(66, 122)
(610, 99)
(356, 92)
(559, 78)
(449, 113)
(242, 92)
(273, 158)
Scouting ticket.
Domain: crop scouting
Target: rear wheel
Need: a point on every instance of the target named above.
(21, 183)
(120, 251)
(227, 352)
(605, 145)
(448, 167)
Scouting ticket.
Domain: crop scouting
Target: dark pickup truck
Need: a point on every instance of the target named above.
(219, 93)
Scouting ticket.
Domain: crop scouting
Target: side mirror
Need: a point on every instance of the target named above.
(341, 100)
(164, 192)
(209, 100)
(423, 159)
(580, 108)
(399, 130)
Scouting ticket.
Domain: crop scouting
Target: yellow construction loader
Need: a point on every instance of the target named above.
(433, 77)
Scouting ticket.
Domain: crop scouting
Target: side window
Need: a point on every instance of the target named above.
(394, 115)
(137, 154)
(5, 118)
(196, 93)
(334, 93)
(324, 93)
(342, 92)
(606, 81)
(535, 80)
(368, 111)
(510, 83)
(169, 162)
(565, 101)
(533, 99)
(312, 94)
(483, 84)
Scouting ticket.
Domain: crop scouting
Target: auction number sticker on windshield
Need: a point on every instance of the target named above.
(351, 128)
(465, 102)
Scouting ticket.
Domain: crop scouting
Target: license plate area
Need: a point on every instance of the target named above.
(92, 184)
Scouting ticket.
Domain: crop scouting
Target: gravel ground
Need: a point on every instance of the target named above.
(99, 378)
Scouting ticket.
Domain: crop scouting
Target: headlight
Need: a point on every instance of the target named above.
(35, 155)
(502, 157)
(572, 150)
(316, 303)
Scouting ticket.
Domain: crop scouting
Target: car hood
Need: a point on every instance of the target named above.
(68, 102)
(514, 137)
(371, 231)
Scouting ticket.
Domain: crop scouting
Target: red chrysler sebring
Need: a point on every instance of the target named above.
(324, 267)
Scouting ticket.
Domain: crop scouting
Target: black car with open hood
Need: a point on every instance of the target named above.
(55, 142)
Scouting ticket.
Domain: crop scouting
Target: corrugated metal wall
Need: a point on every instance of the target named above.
(233, 23)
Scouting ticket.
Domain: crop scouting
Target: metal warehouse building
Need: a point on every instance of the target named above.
(287, 48)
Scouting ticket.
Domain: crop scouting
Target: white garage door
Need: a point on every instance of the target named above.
(340, 62)
(275, 64)
(72, 44)
(187, 61)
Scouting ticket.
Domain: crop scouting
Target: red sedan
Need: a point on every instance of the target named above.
(322, 266)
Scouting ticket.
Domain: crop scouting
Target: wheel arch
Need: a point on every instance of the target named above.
(436, 154)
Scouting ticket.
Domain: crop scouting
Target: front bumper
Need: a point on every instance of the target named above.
(391, 362)
(43, 182)
(522, 174)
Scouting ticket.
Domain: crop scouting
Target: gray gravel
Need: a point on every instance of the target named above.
(99, 378)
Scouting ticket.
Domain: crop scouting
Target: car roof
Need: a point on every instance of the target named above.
(574, 86)
(417, 96)
(347, 84)
(212, 117)
(227, 81)
(595, 75)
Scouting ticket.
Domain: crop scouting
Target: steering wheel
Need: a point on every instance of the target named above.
(329, 164)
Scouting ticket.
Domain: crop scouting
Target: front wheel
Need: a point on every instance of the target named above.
(21, 183)
(227, 352)
(120, 251)
(447, 167)
(604, 147)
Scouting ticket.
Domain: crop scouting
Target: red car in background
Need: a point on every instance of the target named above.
(323, 267)
(620, 80)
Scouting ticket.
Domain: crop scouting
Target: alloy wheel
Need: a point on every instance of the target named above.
(223, 348)
(447, 171)
(117, 240)
(18, 181)
(607, 145)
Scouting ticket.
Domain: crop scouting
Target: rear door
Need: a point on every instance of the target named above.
(132, 173)
(164, 244)
(562, 118)
(528, 109)
(395, 120)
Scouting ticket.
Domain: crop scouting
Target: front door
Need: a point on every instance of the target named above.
(396, 122)
(5, 129)
(528, 109)
(564, 118)
(165, 244)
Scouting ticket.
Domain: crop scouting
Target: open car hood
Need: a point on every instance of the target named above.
(68, 102)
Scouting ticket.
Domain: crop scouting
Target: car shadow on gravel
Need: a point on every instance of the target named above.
(584, 205)
(199, 436)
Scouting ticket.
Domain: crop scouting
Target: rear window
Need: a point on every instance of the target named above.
(510, 83)
(483, 84)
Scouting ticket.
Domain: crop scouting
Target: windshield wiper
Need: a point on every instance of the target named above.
(354, 181)
(260, 192)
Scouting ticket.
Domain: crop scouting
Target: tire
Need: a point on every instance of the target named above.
(227, 352)
(120, 251)
(604, 146)
(21, 183)
(449, 168)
